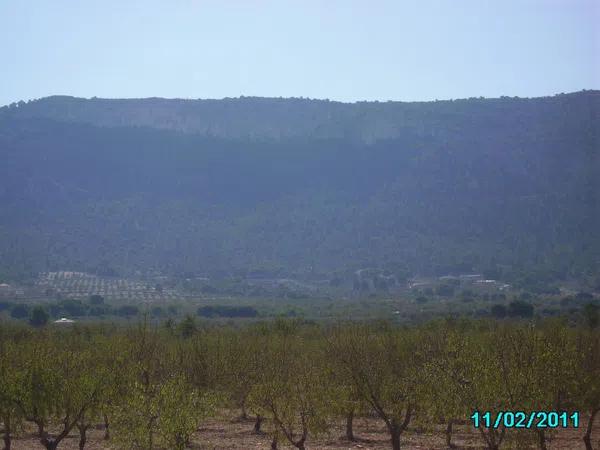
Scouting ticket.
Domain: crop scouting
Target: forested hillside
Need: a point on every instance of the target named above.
(293, 186)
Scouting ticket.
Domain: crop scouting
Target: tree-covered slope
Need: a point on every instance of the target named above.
(300, 186)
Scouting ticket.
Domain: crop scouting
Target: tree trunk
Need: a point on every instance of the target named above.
(7, 439)
(82, 436)
(106, 424)
(542, 440)
(587, 437)
(244, 415)
(299, 444)
(82, 440)
(349, 426)
(41, 432)
(6, 433)
(395, 438)
(258, 424)
(50, 444)
(489, 438)
(395, 431)
(274, 443)
(492, 446)
(449, 434)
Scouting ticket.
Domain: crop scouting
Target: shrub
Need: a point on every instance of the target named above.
(96, 300)
(519, 308)
(39, 317)
(227, 311)
(128, 311)
(5, 305)
(19, 312)
(499, 311)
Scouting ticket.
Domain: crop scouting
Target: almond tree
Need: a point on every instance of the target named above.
(10, 415)
(346, 401)
(181, 408)
(444, 387)
(37, 384)
(57, 385)
(383, 368)
(291, 392)
(486, 367)
(476, 376)
(544, 369)
(107, 361)
(135, 415)
(587, 388)
(246, 358)
(162, 406)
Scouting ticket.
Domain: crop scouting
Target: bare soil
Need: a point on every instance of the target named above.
(224, 432)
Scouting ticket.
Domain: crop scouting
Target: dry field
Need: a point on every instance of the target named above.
(225, 433)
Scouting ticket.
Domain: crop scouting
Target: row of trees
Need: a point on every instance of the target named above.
(152, 386)
(39, 315)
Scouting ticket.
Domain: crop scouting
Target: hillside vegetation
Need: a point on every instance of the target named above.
(308, 188)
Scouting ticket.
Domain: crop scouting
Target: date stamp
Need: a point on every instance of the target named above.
(522, 419)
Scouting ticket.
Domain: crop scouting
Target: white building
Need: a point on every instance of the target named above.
(64, 320)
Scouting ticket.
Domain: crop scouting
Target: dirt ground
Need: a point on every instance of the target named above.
(226, 433)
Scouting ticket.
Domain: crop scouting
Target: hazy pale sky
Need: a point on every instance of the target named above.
(342, 50)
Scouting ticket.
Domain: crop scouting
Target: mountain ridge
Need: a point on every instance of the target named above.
(505, 186)
(270, 117)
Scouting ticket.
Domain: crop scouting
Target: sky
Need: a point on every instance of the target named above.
(340, 50)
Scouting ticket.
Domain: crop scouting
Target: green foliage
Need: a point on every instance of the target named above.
(182, 408)
(227, 311)
(591, 312)
(499, 311)
(289, 390)
(128, 311)
(96, 300)
(445, 290)
(39, 316)
(19, 311)
(384, 368)
(157, 311)
(57, 384)
(157, 386)
(161, 416)
(10, 415)
(519, 308)
(187, 327)
(302, 187)
(73, 308)
(4, 305)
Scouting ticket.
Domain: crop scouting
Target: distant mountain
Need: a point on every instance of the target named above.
(276, 118)
(295, 186)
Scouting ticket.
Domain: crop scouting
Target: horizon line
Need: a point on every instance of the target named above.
(244, 97)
